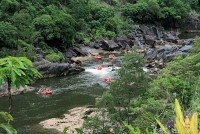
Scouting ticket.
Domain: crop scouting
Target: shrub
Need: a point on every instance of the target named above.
(8, 34)
(101, 13)
(142, 11)
(54, 57)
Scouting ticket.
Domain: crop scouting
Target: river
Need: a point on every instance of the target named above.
(68, 92)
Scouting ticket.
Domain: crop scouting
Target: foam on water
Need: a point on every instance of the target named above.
(102, 72)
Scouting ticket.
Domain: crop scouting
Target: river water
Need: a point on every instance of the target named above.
(68, 92)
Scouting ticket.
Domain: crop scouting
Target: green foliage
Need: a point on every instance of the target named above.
(23, 50)
(196, 45)
(8, 35)
(18, 69)
(95, 124)
(143, 10)
(101, 13)
(155, 10)
(64, 130)
(175, 9)
(5, 118)
(9, 6)
(54, 57)
(80, 9)
(55, 28)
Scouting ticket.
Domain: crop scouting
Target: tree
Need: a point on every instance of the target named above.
(131, 82)
(5, 119)
(8, 35)
(16, 71)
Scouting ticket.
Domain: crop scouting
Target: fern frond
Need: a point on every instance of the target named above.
(194, 124)
(179, 113)
(162, 127)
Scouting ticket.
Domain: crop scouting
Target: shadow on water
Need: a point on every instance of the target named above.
(68, 92)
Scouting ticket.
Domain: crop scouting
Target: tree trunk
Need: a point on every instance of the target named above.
(9, 95)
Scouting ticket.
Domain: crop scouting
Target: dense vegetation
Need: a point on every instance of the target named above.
(56, 25)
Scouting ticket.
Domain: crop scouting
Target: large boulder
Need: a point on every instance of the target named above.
(109, 45)
(77, 49)
(150, 54)
(185, 48)
(189, 23)
(70, 53)
(150, 40)
(48, 69)
(138, 43)
(95, 45)
(170, 37)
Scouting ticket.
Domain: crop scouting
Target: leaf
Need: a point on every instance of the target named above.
(79, 131)
(1, 81)
(162, 127)
(130, 128)
(179, 113)
(17, 72)
(6, 116)
(179, 126)
(8, 128)
(65, 130)
(194, 124)
(13, 76)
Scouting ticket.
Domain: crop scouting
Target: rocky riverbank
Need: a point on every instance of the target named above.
(73, 119)
(14, 91)
(158, 45)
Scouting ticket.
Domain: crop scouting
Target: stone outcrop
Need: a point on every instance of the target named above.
(14, 91)
(73, 119)
(48, 69)
(189, 24)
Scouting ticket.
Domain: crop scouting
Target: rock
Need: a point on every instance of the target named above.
(70, 53)
(188, 42)
(189, 23)
(73, 119)
(91, 51)
(120, 40)
(48, 69)
(95, 45)
(79, 51)
(170, 37)
(185, 48)
(109, 45)
(150, 54)
(156, 31)
(78, 62)
(150, 40)
(145, 30)
(75, 69)
(68, 60)
(138, 43)
(14, 90)
(151, 31)
(130, 42)
(131, 35)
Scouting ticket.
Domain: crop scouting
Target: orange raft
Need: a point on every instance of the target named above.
(108, 80)
(98, 57)
(99, 68)
(45, 91)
